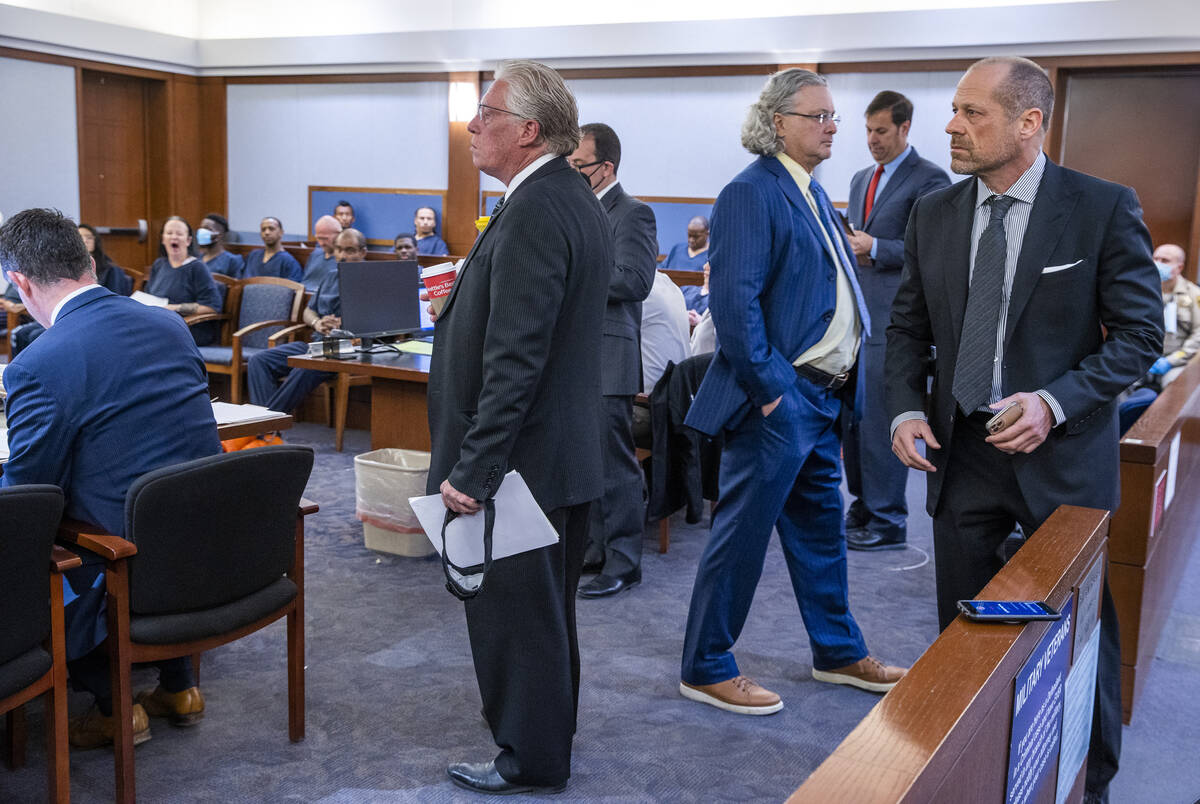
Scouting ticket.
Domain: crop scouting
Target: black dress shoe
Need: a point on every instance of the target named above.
(866, 540)
(482, 777)
(608, 585)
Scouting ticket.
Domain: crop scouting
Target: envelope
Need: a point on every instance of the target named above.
(520, 524)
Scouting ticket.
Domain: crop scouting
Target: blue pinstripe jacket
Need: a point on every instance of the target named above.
(773, 287)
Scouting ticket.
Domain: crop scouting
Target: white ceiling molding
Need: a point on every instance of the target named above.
(1055, 29)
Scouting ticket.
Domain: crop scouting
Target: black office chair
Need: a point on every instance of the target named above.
(213, 551)
(33, 657)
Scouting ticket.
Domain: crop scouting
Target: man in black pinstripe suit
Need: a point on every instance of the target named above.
(515, 384)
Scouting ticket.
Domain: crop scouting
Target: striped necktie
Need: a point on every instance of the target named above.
(977, 344)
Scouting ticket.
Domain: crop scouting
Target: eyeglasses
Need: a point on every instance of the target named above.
(580, 165)
(486, 118)
(822, 118)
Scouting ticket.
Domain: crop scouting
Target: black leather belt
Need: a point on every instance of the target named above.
(822, 378)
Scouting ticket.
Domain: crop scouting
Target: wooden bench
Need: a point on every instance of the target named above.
(1156, 526)
(942, 734)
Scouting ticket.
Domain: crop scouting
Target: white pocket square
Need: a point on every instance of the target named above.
(1050, 269)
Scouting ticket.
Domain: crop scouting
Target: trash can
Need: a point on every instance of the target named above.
(384, 480)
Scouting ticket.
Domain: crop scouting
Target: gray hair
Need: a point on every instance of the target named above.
(758, 132)
(535, 92)
(1025, 87)
(360, 240)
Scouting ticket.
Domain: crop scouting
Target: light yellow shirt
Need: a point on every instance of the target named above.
(838, 347)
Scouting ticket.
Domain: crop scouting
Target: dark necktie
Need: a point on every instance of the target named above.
(871, 188)
(496, 209)
(977, 344)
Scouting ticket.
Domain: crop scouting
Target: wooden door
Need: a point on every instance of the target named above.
(1139, 128)
(113, 161)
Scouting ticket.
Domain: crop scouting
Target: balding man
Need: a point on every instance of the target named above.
(618, 517)
(1036, 286)
(515, 385)
(323, 314)
(1181, 314)
(322, 261)
(691, 255)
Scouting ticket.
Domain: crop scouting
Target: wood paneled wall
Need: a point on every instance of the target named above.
(188, 159)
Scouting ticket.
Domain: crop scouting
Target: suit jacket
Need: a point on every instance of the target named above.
(92, 414)
(514, 381)
(913, 178)
(1084, 268)
(636, 255)
(773, 290)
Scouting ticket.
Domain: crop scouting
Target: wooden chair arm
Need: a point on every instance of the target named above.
(286, 332)
(90, 537)
(257, 325)
(308, 507)
(199, 318)
(62, 559)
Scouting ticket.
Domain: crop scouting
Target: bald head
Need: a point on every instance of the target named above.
(350, 246)
(697, 234)
(325, 229)
(1172, 255)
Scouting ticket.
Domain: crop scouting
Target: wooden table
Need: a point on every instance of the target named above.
(280, 421)
(399, 411)
(269, 424)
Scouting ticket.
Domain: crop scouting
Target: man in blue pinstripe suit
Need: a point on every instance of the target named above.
(791, 318)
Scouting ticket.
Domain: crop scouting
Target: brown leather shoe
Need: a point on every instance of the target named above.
(95, 730)
(867, 673)
(739, 694)
(180, 708)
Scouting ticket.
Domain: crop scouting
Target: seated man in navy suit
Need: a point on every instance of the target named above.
(91, 415)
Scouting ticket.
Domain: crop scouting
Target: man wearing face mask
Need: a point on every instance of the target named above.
(210, 237)
(1181, 314)
(618, 518)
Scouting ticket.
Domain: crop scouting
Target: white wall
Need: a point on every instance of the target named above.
(39, 151)
(285, 137)
(679, 136)
(930, 93)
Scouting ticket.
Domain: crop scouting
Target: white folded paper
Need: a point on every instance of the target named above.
(520, 524)
(226, 413)
(148, 299)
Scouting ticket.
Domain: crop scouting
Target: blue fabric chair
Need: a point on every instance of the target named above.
(260, 305)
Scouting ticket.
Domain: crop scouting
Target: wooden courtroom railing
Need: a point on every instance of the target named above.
(943, 733)
(1155, 528)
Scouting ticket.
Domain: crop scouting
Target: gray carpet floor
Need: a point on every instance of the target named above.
(392, 696)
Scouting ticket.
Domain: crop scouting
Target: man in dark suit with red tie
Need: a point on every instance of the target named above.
(1036, 286)
(514, 384)
(880, 199)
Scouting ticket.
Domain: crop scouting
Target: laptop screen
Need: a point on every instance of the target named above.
(381, 298)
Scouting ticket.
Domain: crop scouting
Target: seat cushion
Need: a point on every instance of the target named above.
(223, 355)
(166, 629)
(218, 355)
(18, 673)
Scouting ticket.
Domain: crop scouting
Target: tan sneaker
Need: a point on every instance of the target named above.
(95, 730)
(181, 708)
(740, 695)
(867, 673)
